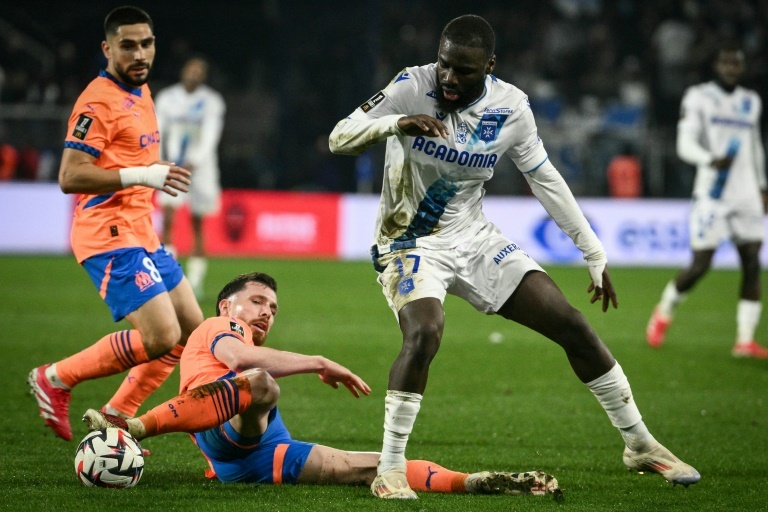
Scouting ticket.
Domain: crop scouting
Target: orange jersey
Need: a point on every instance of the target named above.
(198, 365)
(116, 124)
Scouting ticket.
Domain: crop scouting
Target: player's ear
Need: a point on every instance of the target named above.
(224, 305)
(491, 65)
(106, 49)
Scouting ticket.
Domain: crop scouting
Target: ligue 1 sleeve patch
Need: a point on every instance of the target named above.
(82, 126)
(236, 327)
(375, 100)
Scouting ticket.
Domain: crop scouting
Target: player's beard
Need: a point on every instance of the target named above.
(466, 96)
(127, 79)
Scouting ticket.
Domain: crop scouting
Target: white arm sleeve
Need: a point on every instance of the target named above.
(689, 150)
(553, 193)
(353, 136)
(690, 126)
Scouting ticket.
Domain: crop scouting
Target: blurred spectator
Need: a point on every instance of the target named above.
(624, 174)
(589, 65)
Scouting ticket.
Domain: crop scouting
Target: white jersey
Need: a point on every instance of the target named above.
(724, 124)
(190, 126)
(433, 187)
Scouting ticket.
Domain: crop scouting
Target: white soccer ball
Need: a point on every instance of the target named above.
(109, 458)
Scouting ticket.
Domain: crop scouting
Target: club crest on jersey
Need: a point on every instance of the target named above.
(746, 105)
(236, 327)
(432, 94)
(128, 103)
(488, 130)
(82, 126)
(375, 100)
(461, 133)
(143, 280)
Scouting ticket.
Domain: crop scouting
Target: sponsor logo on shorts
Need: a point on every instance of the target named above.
(236, 327)
(375, 100)
(82, 126)
(143, 280)
(505, 252)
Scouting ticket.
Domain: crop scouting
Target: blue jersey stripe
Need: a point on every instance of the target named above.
(430, 209)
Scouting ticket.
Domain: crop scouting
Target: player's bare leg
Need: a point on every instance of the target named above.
(674, 294)
(197, 264)
(538, 304)
(421, 323)
(327, 465)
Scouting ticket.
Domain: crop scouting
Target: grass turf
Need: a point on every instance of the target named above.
(511, 405)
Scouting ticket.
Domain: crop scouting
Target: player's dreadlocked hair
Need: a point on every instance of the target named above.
(471, 30)
(125, 15)
(240, 282)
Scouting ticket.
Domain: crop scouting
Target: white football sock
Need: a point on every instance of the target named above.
(614, 394)
(400, 410)
(670, 299)
(197, 267)
(747, 318)
(53, 378)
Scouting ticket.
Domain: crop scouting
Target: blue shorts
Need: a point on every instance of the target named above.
(128, 278)
(274, 458)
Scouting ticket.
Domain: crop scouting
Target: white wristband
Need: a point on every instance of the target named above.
(151, 176)
(596, 273)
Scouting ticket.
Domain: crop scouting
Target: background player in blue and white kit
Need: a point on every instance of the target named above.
(719, 133)
(191, 118)
(446, 125)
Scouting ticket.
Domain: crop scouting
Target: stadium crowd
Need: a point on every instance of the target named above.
(604, 78)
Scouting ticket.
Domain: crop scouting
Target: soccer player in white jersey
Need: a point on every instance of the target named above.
(446, 125)
(719, 133)
(191, 118)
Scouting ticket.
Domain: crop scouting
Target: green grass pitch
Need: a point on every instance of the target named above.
(511, 405)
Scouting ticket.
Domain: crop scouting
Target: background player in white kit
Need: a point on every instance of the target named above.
(191, 118)
(446, 125)
(719, 133)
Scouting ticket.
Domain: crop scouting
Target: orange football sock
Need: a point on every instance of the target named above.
(199, 409)
(114, 353)
(424, 475)
(142, 381)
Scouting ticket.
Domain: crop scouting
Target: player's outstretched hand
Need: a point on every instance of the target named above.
(177, 180)
(334, 373)
(422, 124)
(604, 293)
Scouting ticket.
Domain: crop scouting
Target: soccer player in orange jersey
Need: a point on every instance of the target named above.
(110, 160)
(228, 402)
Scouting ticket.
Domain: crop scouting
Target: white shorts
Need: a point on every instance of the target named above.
(711, 223)
(484, 270)
(204, 193)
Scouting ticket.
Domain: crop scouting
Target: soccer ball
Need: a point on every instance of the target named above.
(109, 458)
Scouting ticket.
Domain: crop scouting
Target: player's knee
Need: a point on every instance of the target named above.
(160, 341)
(264, 389)
(423, 340)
